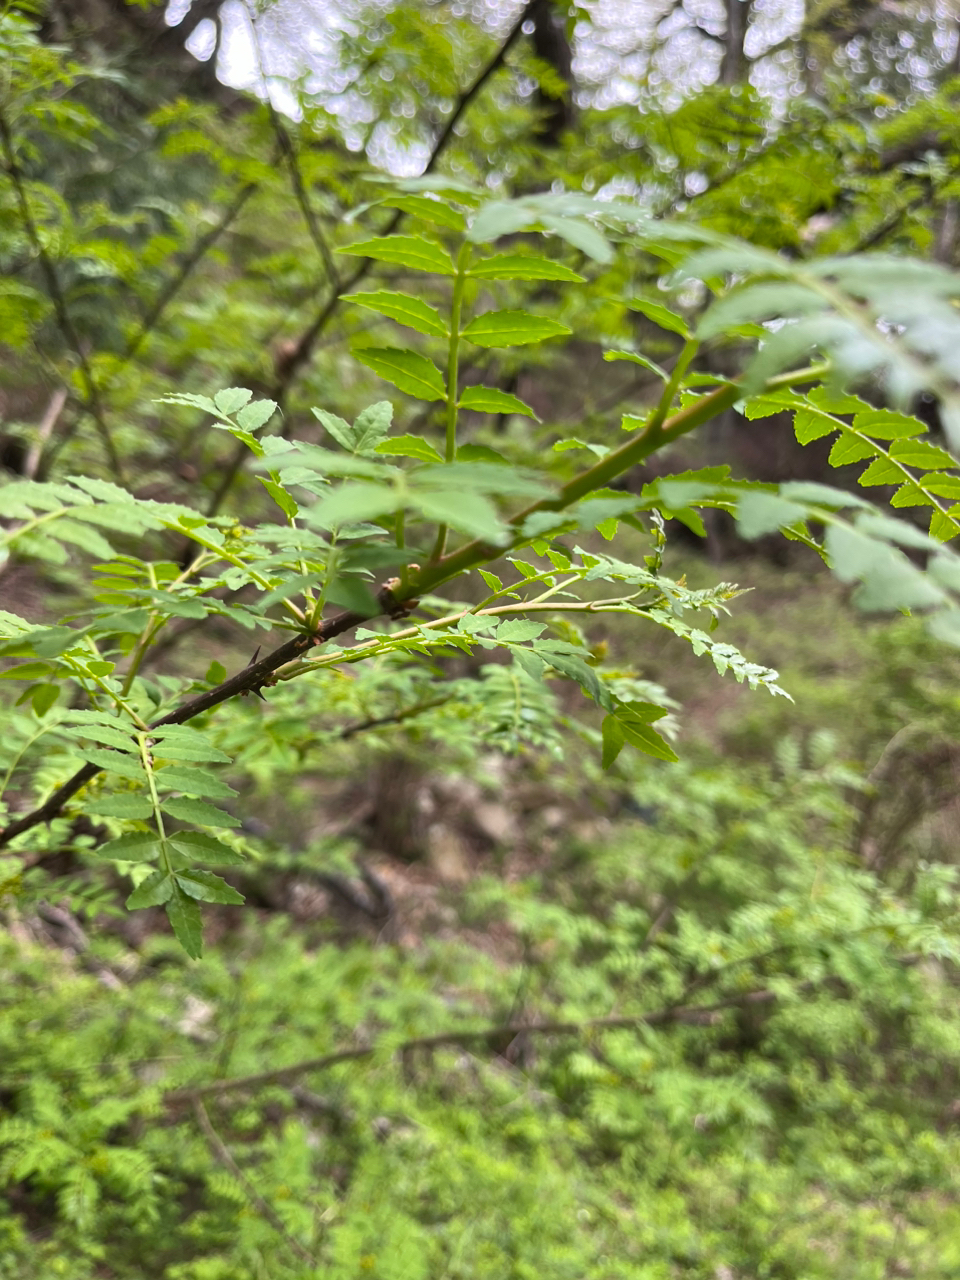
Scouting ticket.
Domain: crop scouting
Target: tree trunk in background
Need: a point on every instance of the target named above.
(733, 67)
(551, 45)
(149, 48)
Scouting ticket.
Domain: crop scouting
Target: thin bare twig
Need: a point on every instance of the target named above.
(224, 1157)
(61, 311)
(925, 199)
(287, 151)
(31, 465)
(397, 717)
(686, 1015)
(176, 282)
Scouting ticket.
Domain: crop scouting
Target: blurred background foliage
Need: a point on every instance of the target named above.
(781, 906)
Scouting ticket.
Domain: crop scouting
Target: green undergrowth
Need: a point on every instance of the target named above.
(785, 1112)
(864, 680)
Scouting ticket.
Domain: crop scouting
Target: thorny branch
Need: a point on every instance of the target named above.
(256, 674)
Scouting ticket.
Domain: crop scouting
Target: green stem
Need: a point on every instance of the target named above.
(157, 621)
(453, 377)
(453, 351)
(613, 464)
(378, 648)
(117, 699)
(222, 554)
(690, 349)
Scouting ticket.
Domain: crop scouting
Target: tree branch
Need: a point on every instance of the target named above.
(397, 717)
(176, 283)
(288, 153)
(690, 1015)
(892, 222)
(31, 466)
(304, 345)
(61, 311)
(255, 675)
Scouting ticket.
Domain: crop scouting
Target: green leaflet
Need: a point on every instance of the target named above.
(207, 887)
(631, 723)
(635, 720)
(371, 426)
(430, 210)
(138, 847)
(230, 400)
(409, 446)
(471, 513)
(179, 742)
(188, 809)
(849, 448)
(286, 503)
(889, 580)
(183, 912)
(153, 891)
(256, 415)
(880, 471)
(353, 503)
(660, 315)
(886, 424)
(613, 740)
(198, 846)
(362, 437)
(407, 370)
(755, 302)
(517, 266)
(574, 667)
(581, 235)
(760, 513)
(82, 536)
(921, 454)
(194, 781)
(121, 806)
(511, 329)
(482, 477)
(416, 252)
(491, 400)
(519, 631)
(634, 357)
(404, 308)
(113, 761)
